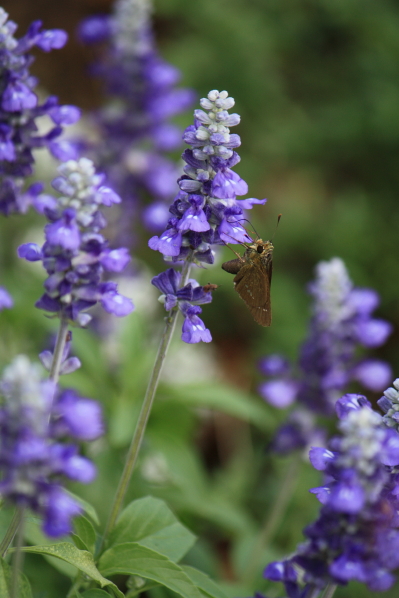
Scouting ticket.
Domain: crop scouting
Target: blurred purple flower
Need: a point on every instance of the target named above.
(20, 111)
(136, 128)
(6, 301)
(35, 422)
(328, 362)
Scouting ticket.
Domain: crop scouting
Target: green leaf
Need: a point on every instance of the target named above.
(150, 523)
(223, 398)
(24, 590)
(85, 534)
(203, 582)
(132, 559)
(35, 536)
(81, 559)
(96, 593)
(86, 506)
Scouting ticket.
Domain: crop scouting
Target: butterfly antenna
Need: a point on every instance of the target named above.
(278, 222)
(252, 226)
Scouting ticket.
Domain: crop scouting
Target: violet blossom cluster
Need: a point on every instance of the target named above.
(342, 322)
(356, 536)
(135, 125)
(20, 113)
(187, 299)
(39, 430)
(75, 254)
(206, 211)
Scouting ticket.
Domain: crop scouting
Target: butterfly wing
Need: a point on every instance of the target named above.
(252, 283)
(233, 266)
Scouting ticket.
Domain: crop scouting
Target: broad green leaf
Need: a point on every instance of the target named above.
(34, 535)
(203, 582)
(132, 559)
(149, 522)
(81, 559)
(224, 398)
(24, 590)
(85, 534)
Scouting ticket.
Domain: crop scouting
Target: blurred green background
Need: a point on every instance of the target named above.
(316, 83)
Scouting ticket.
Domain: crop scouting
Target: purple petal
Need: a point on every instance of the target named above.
(350, 402)
(81, 416)
(116, 304)
(52, 39)
(347, 498)
(344, 569)
(64, 150)
(248, 204)
(373, 374)
(70, 365)
(79, 469)
(18, 97)
(194, 219)
(65, 115)
(156, 216)
(364, 301)
(320, 457)
(169, 243)
(58, 511)
(6, 301)
(167, 282)
(194, 329)
(63, 233)
(115, 260)
(30, 252)
(228, 184)
(373, 333)
(95, 29)
(279, 393)
(274, 365)
(233, 232)
(108, 196)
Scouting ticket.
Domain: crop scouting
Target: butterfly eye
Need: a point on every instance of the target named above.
(259, 249)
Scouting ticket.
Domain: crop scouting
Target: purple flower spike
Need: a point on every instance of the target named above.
(137, 134)
(356, 535)
(341, 320)
(207, 202)
(20, 111)
(75, 254)
(37, 429)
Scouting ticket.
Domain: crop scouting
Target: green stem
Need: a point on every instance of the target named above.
(141, 424)
(330, 591)
(10, 533)
(273, 520)
(18, 556)
(59, 349)
(313, 592)
(76, 585)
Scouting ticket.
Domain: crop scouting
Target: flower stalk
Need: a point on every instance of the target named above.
(145, 411)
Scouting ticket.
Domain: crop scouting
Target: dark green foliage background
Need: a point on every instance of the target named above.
(316, 83)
